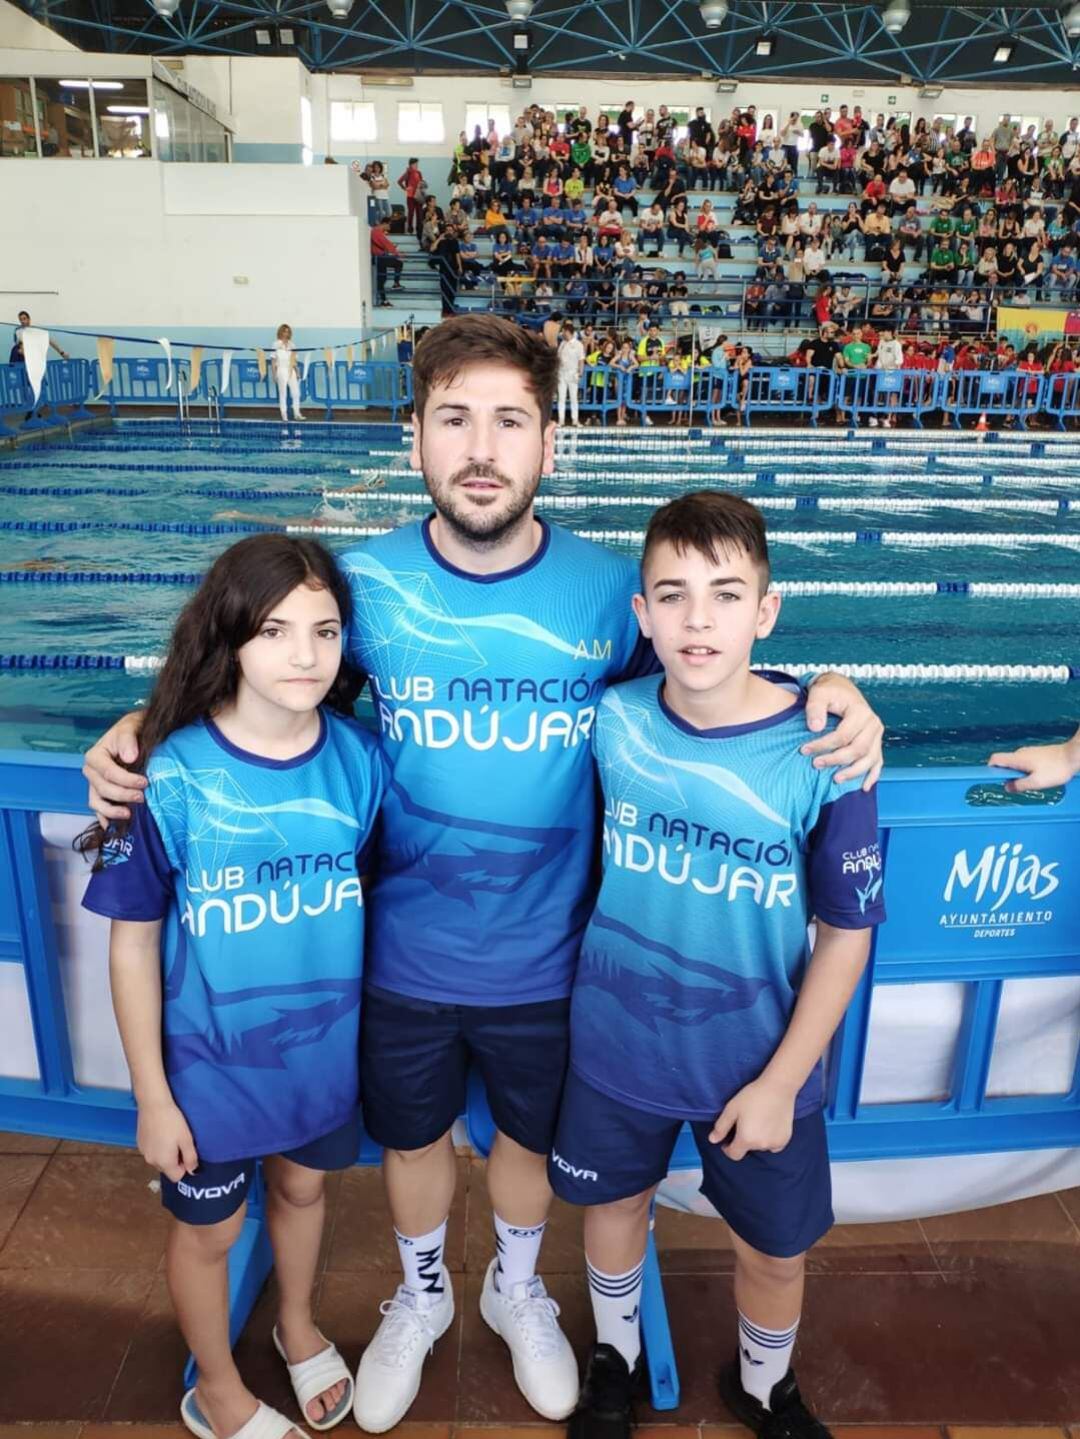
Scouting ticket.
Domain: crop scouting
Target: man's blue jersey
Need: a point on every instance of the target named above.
(719, 846)
(485, 689)
(253, 865)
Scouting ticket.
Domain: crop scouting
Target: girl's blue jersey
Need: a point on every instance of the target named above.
(254, 866)
(719, 847)
(485, 690)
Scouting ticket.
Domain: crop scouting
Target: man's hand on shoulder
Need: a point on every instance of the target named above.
(112, 787)
(856, 742)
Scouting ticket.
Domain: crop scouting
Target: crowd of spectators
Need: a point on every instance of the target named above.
(570, 212)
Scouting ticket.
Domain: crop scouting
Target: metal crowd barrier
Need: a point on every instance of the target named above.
(981, 891)
(888, 393)
(1007, 395)
(1011, 395)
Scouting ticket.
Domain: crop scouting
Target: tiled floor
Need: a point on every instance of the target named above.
(959, 1326)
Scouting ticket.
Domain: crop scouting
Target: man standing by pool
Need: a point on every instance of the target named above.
(489, 636)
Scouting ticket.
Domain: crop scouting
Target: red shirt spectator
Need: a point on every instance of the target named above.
(381, 243)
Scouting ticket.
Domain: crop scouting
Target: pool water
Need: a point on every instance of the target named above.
(903, 513)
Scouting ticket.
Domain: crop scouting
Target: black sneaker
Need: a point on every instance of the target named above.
(605, 1409)
(787, 1416)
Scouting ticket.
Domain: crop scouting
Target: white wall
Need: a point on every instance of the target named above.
(20, 32)
(144, 247)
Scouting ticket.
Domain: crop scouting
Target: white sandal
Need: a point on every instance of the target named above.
(265, 1423)
(312, 1377)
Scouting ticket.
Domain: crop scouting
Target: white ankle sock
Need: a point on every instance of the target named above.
(518, 1248)
(616, 1302)
(422, 1260)
(764, 1356)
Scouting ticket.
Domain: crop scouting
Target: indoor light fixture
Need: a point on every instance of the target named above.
(519, 9)
(128, 109)
(1003, 54)
(95, 84)
(714, 13)
(339, 8)
(166, 8)
(1071, 21)
(765, 45)
(262, 37)
(286, 35)
(895, 16)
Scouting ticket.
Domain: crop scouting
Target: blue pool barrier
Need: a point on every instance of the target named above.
(997, 901)
(793, 390)
(134, 382)
(1061, 398)
(601, 390)
(885, 394)
(373, 384)
(16, 397)
(1008, 394)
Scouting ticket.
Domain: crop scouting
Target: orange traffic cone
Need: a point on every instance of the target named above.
(983, 426)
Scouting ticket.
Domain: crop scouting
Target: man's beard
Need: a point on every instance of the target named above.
(486, 527)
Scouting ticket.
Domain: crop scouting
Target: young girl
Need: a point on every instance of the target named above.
(237, 951)
(285, 373)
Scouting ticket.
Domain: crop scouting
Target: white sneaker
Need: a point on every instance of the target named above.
(389, 1374)
(545, 1369)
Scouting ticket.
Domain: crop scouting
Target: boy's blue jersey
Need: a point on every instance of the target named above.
(719, 846)
(485, 689)
(253, 865)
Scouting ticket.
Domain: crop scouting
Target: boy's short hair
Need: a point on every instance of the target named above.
(713, 522)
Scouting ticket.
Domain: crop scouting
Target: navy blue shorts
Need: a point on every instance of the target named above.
(216, 1191)
(415, 1057)
(779, 1204)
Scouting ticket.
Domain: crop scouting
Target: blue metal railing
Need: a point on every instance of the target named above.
(1010, 396)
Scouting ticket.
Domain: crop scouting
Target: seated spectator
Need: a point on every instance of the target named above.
(910, 233)
(942, 262)
(828, 167)
(876, 233)
(384, 252)
(901, 191)
(651, 229)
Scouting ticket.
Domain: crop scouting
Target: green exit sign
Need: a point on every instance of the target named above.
(891, 100)
(824, 99)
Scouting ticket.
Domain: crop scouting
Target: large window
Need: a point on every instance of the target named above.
(352, 121)
(483, 115)
(67, 131)
(420, 123)
(123, 120)
(182, 132)
(1023, 124)
(16, 118)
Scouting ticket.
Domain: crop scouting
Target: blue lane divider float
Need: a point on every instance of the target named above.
(836, 503)
(67, 492)
(895, 674)
(1003, 540)
(790, 589)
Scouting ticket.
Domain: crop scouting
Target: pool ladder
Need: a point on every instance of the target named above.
(213, 408)
(183, 400)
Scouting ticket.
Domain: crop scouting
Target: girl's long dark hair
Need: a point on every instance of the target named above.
(201, 672)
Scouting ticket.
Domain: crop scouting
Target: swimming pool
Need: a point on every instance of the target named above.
(891, 550)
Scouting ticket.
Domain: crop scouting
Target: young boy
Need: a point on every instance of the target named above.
(696, 996)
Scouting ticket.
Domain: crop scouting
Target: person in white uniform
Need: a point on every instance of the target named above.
(285, 373)
(571, 365)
